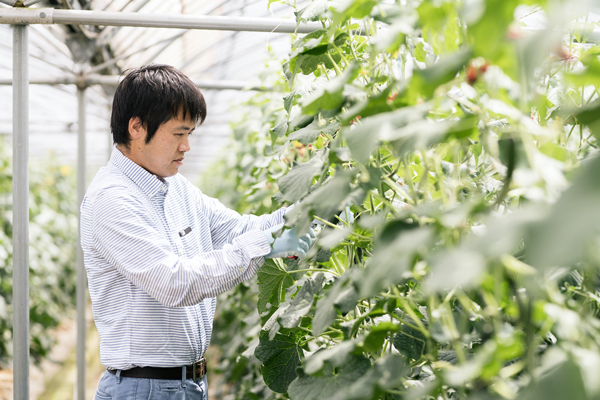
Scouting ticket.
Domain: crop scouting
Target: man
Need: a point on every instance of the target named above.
(157, 251)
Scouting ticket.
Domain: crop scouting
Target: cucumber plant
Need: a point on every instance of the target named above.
(52, 253)
(462, 136)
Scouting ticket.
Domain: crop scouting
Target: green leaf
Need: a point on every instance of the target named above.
(298, 181)
(590, 115)
(310, 133)
(448, 356)
(270, 284)
(591, 74)
(420, 53)
(313, 10)
(308, 62)
(328, 199)
(563, 381)
(334, 383)
(323, 255)
(280, 129)
(488, 35)
(455, 267)
(376, 337)
(302, 302)
(410, 342)
(387, 373)
(330, 96)
(572, 220)
(422, 134)
(364, 138)
(356, 9)
(425, 81)
(391, 261)
(279, 358)
(390, 38)
(342, 296)
(334, 356)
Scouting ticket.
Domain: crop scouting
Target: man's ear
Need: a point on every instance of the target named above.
(136, 128)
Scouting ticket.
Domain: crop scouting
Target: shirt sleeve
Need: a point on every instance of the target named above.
(226, 224)
(125, 234)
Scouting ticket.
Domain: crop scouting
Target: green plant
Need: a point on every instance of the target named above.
(465, 145)
(52, 235)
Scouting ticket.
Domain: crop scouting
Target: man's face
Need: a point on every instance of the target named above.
(165, 153)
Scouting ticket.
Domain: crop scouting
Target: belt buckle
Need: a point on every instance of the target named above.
(202, 364)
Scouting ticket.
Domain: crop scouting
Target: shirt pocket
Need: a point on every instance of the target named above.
(187, 236)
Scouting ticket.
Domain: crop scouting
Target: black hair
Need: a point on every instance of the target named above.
(155, 93)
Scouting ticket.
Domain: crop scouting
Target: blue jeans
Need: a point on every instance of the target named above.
(113, 387)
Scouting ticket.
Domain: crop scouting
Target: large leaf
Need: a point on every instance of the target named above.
(302, 302)
(425, 81)
(279, 358)
(353, 9)
(410, 342)
(590, 116)
(334, 383)
(387, 373)
(328, 199)
(342, 296)
(298, 181)
(364, 138)
(314, 50)
(334, 356)
(310, 133)
(457, 267)
(391, 261)
(563, 381)
(562, 237)
(330, 96)
(270, 284)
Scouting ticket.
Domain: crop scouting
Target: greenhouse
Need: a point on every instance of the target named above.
(397, 199)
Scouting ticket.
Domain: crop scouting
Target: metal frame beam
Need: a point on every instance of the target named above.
(81, 298)
(105, 18)
(21, 212)
(113, 80)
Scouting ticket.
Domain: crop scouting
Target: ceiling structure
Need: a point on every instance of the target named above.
(59, 50)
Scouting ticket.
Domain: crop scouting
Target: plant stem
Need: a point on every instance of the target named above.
(314, 270)
(335, 66)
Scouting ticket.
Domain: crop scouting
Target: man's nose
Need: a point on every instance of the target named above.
(185, 145)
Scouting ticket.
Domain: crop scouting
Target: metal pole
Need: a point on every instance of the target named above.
(81, 276)
(113, 80)
(21, 212)
(105, 18)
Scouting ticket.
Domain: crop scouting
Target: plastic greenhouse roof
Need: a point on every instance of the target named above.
(201, 54)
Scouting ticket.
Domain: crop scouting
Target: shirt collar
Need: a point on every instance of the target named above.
(148, 182)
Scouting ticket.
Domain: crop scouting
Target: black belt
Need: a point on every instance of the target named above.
(194, 371)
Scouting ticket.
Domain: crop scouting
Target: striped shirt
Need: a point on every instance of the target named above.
(157, 252)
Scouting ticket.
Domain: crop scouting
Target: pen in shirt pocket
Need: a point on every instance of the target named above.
(185, 231)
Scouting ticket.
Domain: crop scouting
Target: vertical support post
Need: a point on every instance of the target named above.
(81, 276)
(21, 212)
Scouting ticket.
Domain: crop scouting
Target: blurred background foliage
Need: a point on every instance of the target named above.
(52, 236)
(462, 136)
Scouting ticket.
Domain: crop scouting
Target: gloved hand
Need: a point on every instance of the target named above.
(288, 244)
(347, 216)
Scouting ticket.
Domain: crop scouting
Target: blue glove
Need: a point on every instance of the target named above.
(346, 216)
(288, 244)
